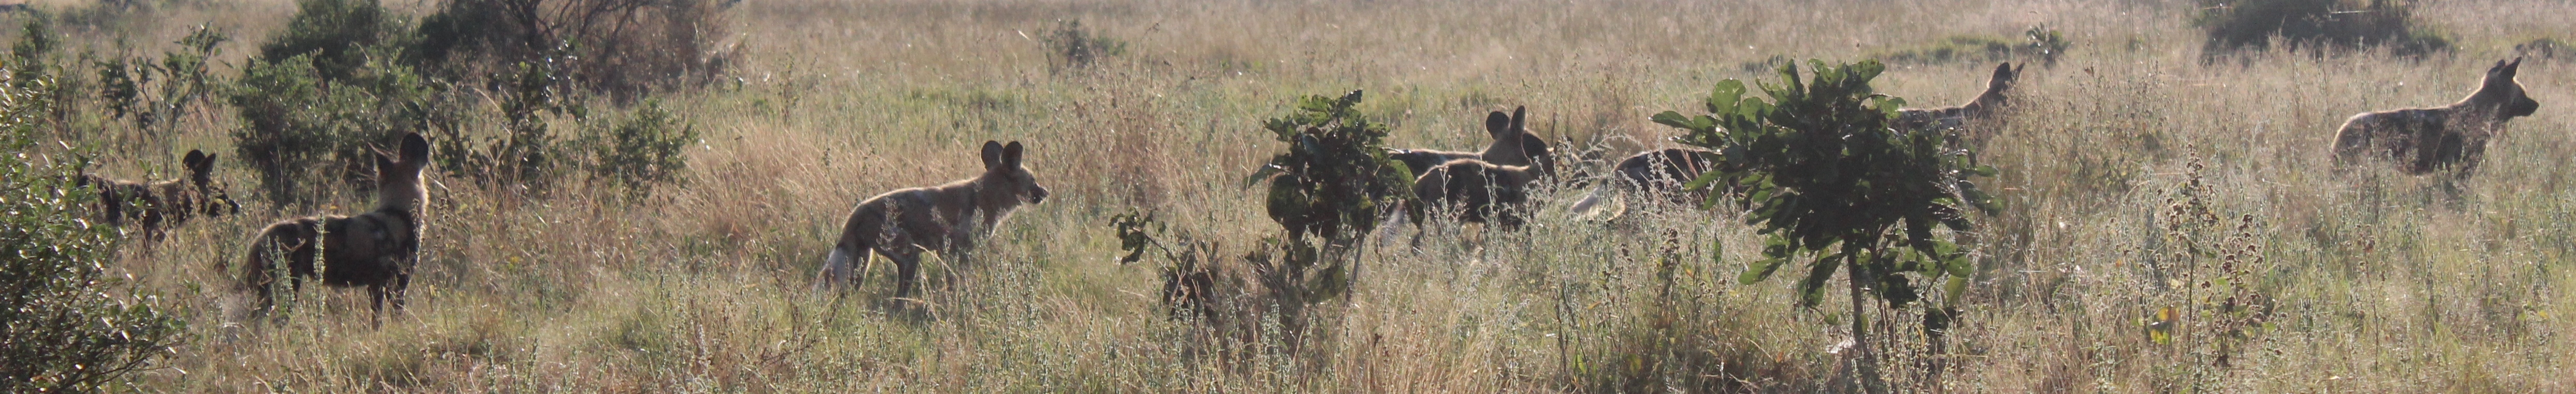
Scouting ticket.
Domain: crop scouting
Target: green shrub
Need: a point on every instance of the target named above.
(293, 117)
(1074, 46)
(2316, 25)
(644, 149)
(68, 327)
(625, 49)
(1832, 182)
(153, 95)
(338, 35)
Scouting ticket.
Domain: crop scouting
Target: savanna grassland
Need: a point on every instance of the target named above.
(2139, 172)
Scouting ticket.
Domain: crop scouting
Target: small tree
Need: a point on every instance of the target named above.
(1830, 180)
(67, 325)
(1331, 186)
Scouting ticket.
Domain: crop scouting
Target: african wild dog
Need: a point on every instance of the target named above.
(1985, 106)
(946, 218)
(376, 249)
(1663, 172)
(1478, 191)
(2421, 140)
(158, 206)
(1513, 145)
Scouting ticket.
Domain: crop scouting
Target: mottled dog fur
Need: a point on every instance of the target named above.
(1513, 145)
(376, 249)
(1985, 106)
(947, 218)
(159, 206)
(1477, 191)
(2421, 140)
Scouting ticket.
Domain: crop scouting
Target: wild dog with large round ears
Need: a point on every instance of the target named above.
(946, 218)
(2421, 140)
(1985, 106)
(158, 206)
(376, 249)
(1513, 145)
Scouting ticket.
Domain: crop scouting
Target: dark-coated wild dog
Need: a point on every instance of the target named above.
(1513, 145)
(2421, 140)
(376, 249)
(1985, 106)
(1477, 191)
(946, 218)
(159, 206)
(1663, 172)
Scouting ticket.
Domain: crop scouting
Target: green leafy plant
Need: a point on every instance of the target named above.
(644, 149)
(1833, 185)
(324, 89)
(2340, 25)
(68, 327)
(152, 95)
(1077, 47)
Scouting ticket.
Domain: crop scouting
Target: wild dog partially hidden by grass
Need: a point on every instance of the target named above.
(1985, 106)
(946, 218)
(376, 249)
(1477, 191)
(2421, 140)
(1663, 172)
(158, 206)
(1513, 145)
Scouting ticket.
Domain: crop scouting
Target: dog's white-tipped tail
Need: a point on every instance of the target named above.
(1596, 205)
(837, 271)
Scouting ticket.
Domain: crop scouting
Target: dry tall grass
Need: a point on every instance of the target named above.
(2376, 282)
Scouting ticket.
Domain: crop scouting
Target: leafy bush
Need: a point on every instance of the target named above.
(626, 49)
(1074, 46)
(325, 89)
(68, 326)
(338, 36)
(1829, 177)
(293, 116)
(647, 148)
(154, 95)
(2316, 25)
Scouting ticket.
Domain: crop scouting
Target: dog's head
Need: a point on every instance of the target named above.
(398, 174)
(201, 178)
(1004, 173)
(2501, 92)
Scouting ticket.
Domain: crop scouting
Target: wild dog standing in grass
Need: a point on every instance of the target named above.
(1513, 145)
(376, 249)
(158, 206)
(1663, 172)
(1477, 191)
(1985, 106)
(946, 218)
(2421, 140)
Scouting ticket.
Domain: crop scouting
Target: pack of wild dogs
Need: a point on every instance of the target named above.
(377, 249)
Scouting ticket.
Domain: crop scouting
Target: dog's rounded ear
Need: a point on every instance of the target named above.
(1011, 155)
(1520, 119)
(195, 161)
(1498, 123)
(415, 148)
(992, 154)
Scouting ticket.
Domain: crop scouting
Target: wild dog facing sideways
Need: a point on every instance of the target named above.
(1663, 172)
(946, 218)
(1985, 106)
(2421, 140)
(158, 206)
(376, 249)
(1477, 191)
(1513, 145)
